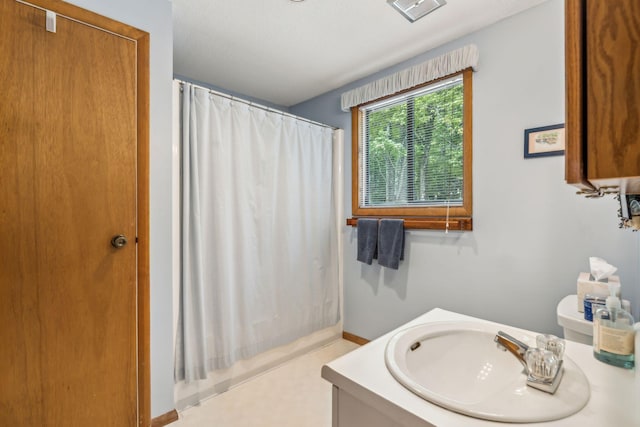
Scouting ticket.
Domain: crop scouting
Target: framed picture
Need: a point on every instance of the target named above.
(629, 211)
(544, 141)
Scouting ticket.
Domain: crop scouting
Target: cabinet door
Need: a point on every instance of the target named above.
(575, 151)
(613, 88)
(603, 91)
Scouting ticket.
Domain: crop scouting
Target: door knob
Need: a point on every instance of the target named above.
(119, 241)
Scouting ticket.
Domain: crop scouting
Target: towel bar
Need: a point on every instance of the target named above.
(455, 224)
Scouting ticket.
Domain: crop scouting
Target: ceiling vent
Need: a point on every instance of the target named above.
(415, 9)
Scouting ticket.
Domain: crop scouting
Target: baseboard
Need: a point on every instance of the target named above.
(165, 419)
(354, 338)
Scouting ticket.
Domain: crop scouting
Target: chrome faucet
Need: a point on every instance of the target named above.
(540, 374)
(514, 346)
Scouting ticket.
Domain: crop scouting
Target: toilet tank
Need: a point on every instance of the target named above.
(574, 327)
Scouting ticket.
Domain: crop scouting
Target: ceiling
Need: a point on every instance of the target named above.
(285, 52)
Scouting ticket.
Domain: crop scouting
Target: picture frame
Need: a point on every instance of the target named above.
(544, 141)
(629, 211)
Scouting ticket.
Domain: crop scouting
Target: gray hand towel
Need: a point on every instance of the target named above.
(390, 242)
(367, 239)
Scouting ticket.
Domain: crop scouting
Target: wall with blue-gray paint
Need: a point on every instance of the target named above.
(154, 16)
(532, 234)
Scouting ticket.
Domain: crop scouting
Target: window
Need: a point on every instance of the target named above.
(412, 155)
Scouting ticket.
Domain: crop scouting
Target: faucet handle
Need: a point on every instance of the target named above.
(542, 364)
(551, 343)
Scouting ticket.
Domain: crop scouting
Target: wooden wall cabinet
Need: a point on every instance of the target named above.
(602, 54)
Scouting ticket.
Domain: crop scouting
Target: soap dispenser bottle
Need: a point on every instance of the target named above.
(613, 333)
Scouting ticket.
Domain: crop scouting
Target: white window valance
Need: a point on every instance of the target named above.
(449, 63)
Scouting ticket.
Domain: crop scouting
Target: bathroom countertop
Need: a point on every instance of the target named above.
(614, 401)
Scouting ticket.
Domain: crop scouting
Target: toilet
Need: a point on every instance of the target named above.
(574, 326)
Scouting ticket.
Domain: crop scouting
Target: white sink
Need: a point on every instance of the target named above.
(458, 366)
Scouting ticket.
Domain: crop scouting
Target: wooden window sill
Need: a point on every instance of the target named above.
(455, 224)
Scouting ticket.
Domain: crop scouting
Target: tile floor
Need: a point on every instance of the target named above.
(292, 394)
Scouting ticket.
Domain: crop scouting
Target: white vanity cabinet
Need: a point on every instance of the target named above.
(348, 410)
(365, 393)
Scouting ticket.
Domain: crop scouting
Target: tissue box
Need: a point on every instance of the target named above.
(587, 286)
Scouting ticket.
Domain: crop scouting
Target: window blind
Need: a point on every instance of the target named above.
(411, 148)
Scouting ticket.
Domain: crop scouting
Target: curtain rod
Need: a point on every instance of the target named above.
(253, 104)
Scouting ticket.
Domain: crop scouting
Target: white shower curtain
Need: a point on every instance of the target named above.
(259, 241)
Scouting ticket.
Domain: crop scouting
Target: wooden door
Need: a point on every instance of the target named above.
(68, 183)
